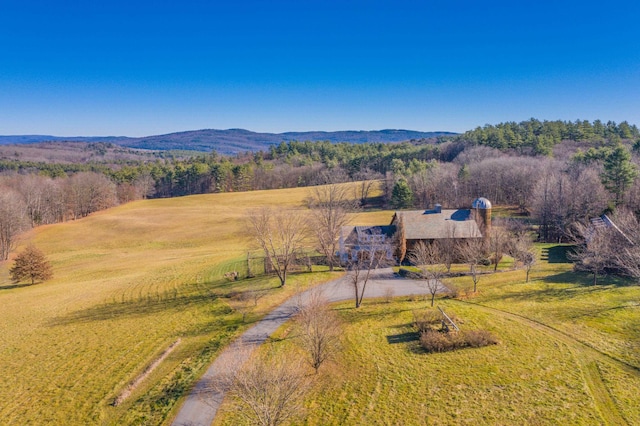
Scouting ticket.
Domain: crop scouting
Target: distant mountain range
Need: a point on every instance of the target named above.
(231, 141)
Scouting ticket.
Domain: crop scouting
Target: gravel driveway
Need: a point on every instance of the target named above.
(200, 407)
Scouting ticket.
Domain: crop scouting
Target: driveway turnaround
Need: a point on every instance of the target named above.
(201, 405)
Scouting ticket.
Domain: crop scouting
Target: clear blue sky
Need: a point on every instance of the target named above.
(138, 68)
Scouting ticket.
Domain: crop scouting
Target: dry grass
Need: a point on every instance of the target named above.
(127, 283)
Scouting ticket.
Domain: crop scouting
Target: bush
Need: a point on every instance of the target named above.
(389, 292)
(479, 338)
(438, 341)
(413, 297)
(427, 320)
(435, 341)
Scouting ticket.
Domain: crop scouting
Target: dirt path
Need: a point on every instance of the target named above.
(200, 407)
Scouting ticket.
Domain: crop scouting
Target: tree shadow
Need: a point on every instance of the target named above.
(358, 315)
(12, 286)
(143, 306)
(558, 254)
(584, 279)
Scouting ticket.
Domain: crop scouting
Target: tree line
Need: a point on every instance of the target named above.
(590, 168)
(539, 137)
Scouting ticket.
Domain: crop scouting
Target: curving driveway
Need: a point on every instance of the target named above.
(200, 407)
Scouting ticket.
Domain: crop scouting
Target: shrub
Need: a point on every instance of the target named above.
(438, 341)
(412, 297)
(435, 341)
(389, 292)
(427, 320)
(455, 291)
(479, 338)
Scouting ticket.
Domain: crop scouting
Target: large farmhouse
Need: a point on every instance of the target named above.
(407, 228)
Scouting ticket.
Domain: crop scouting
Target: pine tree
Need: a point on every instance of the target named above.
(31, 264)
(619, 172)
(401, 195)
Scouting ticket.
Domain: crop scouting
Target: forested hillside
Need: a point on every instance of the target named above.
(539, 137)
(233, 141)
(560, 173)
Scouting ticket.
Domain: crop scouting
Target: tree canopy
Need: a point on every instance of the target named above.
(31, 264)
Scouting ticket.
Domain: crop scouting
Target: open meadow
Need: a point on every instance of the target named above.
(144, 281)
(568, 353)
(128, 283)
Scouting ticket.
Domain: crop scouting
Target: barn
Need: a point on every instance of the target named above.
(409, 227)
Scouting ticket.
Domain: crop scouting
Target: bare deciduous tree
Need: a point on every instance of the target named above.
(427, 257)
(561, 199)
(319, 330)
(498, 243)
(88, 192)
(367, 179)
(280, 234)
(472, 252)
(360, 266)
(145, 185)
(594, 254)
(245, 301)
(329, 207)
(447, 247)
(13, 221)
(523, 251)
(267, 390)
(625, 244)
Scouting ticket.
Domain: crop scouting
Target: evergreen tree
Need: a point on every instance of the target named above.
(31, 264)
(619, 172)
(401, 195)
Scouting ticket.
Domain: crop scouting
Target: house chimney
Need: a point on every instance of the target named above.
(438, 208)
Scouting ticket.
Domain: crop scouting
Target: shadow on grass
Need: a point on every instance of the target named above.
(562, 287)
(137, 308)
(410, 336)
(358, 315)
(12, 286)
(193, 295)
(584, 279)
(557, 254)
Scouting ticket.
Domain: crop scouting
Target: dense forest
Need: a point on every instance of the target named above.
(557, 172)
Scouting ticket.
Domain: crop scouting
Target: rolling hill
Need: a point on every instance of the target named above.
(232, 141)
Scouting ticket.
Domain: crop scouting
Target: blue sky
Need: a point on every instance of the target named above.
(139, 68)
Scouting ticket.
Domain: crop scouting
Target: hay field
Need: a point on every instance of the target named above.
(128, 282)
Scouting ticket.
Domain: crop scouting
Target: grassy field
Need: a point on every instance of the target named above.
(132, 281)
(568, 354)
(128, 283)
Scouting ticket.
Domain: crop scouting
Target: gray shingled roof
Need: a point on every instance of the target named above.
(351, 233)
(430, 225)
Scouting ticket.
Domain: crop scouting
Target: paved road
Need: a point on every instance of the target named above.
(201, 405)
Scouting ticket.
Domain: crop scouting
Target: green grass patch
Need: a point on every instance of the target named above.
(384, 377)
(568, 352)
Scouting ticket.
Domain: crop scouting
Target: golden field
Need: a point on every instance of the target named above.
(128, 282)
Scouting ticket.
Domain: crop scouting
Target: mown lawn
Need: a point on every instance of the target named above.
(383, 377)
(568, 354)
(128, 282)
